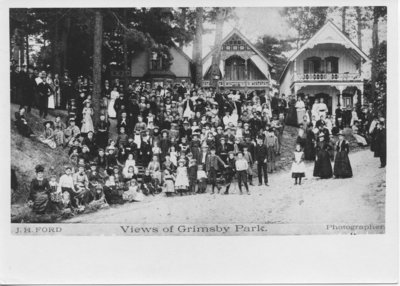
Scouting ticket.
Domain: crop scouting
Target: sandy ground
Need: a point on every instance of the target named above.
(360, 199)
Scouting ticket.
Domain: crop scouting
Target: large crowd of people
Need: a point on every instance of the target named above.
(179, 139)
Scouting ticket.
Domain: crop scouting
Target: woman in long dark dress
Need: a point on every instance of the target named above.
(39, 192)
(102, 131)
(22, 124)
(322, 166)
(301, 138)
(291, 118)
(342, 167)
(309, 146)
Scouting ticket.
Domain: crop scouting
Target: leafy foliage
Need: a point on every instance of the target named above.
(273, 49)
(377, 95)
(305, 20)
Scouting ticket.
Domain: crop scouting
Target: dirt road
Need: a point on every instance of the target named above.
(360, 199)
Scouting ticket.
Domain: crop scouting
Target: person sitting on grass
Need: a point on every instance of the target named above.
(148, 187)
(48, 135)
(39, 192)
(22, 124)
(71, 132)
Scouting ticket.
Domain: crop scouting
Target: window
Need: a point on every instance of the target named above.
(318, 65)
(332, 64)
(347, 101)
(235, 43)
(155, 62)
(312, 65)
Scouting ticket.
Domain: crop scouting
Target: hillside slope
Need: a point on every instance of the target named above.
(26, 153)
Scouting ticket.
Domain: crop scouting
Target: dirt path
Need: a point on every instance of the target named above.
(360, 199)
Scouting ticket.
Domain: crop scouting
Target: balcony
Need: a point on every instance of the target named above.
(317, 77)
(238, 83)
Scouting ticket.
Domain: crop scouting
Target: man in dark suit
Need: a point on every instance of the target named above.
(260, 154)
(43, 90)
(124, 121)
(380, 143)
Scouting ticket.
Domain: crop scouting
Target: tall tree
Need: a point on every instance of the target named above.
(97, 63)
(305, 20)
(125, 50)
(273, 49)
(344, 9)
(198, 46)
(216, 57)
(359, 26)
(379, 12)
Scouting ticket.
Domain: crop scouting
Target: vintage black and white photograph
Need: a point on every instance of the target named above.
(198, 120)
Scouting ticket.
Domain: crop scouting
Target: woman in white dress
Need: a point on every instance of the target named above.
(301, 110)
(87, 124)
(298, 167)
(188, 106)
(113, 96)
(315, 108)
(323, 109)
(51, 101)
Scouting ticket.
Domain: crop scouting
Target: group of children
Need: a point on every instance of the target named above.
(206, 138)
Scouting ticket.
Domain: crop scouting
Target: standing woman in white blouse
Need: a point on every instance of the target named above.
(301, 110)
(113, 96)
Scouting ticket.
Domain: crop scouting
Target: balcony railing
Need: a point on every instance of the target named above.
(312, 77)
(238, 83)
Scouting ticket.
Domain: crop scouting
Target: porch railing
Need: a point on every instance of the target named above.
(310, 77)
(239, 83)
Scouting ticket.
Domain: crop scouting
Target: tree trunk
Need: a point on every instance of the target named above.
(182, 22)
(27, 49)
(344, 8)
(56, 51)
(97, 63)
(125, 50)
(216, 57)
(64, 42)
(198, 46)
(359, 27)
(375, 49)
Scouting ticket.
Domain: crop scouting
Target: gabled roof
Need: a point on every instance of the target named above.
(314, 41)
(236, 31)
(182, 52)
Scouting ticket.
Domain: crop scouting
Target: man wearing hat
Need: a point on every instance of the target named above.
(212, 167)
(43, 91)
(379, 142)
(222, 149)
(220, 133)
(261, 153)
(230, 170)
(186, 131)
(182, 88)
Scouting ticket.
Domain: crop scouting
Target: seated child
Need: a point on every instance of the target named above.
(148, 187)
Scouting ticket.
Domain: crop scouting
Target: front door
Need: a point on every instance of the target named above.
(347, 100)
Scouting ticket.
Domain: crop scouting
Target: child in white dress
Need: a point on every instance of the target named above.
(182, 178)
(298, 167)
